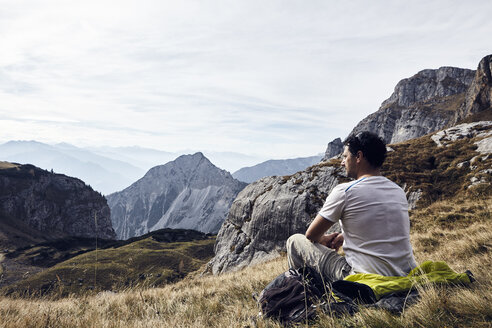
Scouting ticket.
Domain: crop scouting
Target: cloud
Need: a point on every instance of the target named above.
(279, 78)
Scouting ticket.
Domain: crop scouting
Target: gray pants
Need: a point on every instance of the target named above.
(301, 251)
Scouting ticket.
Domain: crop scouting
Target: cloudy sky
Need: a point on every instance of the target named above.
(277, 79)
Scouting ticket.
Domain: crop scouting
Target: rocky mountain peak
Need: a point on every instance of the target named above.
(189, 192)
(430, 83)
(192, 170)
(426, 102)
(479, 95)
(334, 148)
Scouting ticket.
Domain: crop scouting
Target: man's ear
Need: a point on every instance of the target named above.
(359, 156)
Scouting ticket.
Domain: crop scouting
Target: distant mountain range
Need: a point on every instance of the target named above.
(103, 173)
(275, 167)
(111, 169)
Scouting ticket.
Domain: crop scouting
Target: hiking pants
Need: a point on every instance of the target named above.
(301, 251)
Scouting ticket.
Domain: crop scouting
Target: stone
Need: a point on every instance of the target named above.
(479, 95)
(334, 148)
(267, 212)
(466, 130)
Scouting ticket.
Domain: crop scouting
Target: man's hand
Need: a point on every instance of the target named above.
(333, 240)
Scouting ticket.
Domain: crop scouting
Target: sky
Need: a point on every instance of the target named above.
(275, 79)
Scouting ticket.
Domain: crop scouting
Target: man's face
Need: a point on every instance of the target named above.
(349, 161)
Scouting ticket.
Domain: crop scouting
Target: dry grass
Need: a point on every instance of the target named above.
(226, 301)
(7, 165)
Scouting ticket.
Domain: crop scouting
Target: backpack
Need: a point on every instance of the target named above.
(291, 296)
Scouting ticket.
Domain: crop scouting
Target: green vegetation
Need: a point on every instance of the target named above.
(439, 172)
(225, 300)
(142, 263)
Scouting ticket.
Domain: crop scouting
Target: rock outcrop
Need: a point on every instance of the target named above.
(188, 193)
(267, 212)
(479, 95)
(424, 103)
(466, 130)
(52, 204)
(334, 148)
(275, 167)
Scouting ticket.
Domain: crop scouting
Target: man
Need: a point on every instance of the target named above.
(373, 216)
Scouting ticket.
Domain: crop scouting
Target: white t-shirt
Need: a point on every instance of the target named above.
(373, 214)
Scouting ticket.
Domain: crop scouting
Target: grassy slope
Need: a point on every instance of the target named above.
(225, 301)
(144, 262)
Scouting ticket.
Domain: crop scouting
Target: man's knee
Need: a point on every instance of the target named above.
(294, 241)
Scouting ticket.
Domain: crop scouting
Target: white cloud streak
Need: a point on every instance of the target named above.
(275, 78)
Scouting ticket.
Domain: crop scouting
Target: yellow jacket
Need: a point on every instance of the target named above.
(427, 272)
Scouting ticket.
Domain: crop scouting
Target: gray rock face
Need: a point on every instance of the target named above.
(479, 95)
(334, 148)
(422, 104)
(267, 212)
(188, 193)
(53, 203)
(429, 84)
(275, 167)
(463, 131)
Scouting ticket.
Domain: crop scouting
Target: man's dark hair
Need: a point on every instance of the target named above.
(372, 146)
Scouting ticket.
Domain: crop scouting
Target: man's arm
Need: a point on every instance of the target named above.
(317, 228)
(316, 233)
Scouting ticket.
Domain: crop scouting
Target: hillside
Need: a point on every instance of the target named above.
(76, 266)
(37, 205)
(449, 175)
(225, 301)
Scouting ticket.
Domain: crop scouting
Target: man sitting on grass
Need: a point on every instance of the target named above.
(373, 216)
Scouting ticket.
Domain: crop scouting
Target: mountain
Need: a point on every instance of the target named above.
(103, 173)
(334, 148)
(37, 205)
(453, 163)
(275, 167)
(424, 103)
(189, 192)
(478, 97)
(429, 101)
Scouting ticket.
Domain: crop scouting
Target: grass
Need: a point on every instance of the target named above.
(226, 301)
(142, 263)
(7, 165)
(420, 164)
